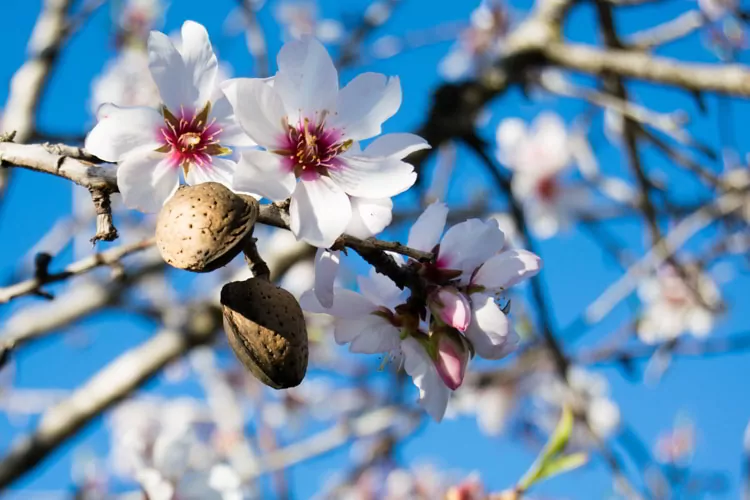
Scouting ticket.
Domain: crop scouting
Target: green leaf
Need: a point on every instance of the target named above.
(551, 452)
(561, 436)
(562, 464)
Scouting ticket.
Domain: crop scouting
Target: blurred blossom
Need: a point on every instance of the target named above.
(538, 156)
(125, 82)
(725, 33)
(676, 447)
(470, 488)
(586, 393)
(672, 308)
(89, 475)
(716, 9)
(301, 17)
(136, 18)
(480, 44)
(423, 481)
(492, 405)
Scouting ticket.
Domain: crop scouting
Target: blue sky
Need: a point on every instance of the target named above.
(712, 391)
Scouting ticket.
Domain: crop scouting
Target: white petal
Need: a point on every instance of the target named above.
(510, 136)
(700, 321)
(365, 103)
(369, 217)
(347, 330)
(551, 138)
(124, 130)
(326, 269)
(261, 172)
(490, 331)
(433, 394)
(426, 231)
(377, 336)
(260, 112)
(346, 304)
(544, 221)
(231, 132)
(319, 212)
(200, 61)
(508, 268)
(169, 72)
(307, 80)
(370, 177)
(380, 290)
(396, 146)
(230, 89)
(146, 180)
(220, 170)
(468, 244)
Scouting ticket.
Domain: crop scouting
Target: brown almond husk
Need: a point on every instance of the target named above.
(266, 329)
(203, 227)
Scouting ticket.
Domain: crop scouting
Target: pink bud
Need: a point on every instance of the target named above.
(452, 307)
(451, 357)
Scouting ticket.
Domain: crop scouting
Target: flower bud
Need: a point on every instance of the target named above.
(451, 306)
(451, 355)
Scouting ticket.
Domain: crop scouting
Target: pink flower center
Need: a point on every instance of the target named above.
(189, 138)
(547, 188)
(310, 150)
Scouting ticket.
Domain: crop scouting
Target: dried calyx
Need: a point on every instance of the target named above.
(204, 227)
(266, 329)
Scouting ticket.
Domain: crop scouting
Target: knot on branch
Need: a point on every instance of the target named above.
(105, 229)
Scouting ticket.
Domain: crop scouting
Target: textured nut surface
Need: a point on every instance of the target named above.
(202, 227)
(266, 329)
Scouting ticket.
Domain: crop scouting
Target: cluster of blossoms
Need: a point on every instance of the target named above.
(480, 44)
(433, 333)
(673, 308)
(293, 135)
(725, 34)
(296, 136)
(538, 156)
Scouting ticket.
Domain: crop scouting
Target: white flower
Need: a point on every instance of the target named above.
(191, 133)
(363, 320)
(716, 9)
(137, 17)
(492, 405)
(367, 322)
(672, 308)
(480, 44)
(300, 17)
(537, 156)
(461, 287)
(471, 250)
(309, 130)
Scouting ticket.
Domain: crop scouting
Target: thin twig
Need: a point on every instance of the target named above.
(110, 257)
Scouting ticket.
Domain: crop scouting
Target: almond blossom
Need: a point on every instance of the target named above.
(672, 308)
(372, 322)
(469, 275)
(457, 316)
(309, 131)
(192, 132)
(537, 156)
(480, 44)
(301, 17)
